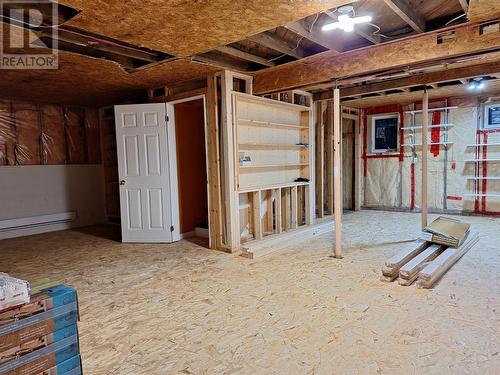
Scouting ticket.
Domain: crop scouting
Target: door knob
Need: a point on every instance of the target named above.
(122, 182)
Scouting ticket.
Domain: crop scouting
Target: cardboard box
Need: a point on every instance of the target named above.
(43, 359)
(44, 301)
(37, 335)
(446, 231)
(72, 366)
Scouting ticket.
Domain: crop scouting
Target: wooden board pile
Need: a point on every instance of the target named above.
(41, 337)
(425, 262)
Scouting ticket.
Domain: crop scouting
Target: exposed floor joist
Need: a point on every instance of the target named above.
(408, 13)
(464, 4)
(244, 55)
(300, 29)
(269, 41)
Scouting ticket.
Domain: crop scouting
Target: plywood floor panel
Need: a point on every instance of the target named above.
(181, 308)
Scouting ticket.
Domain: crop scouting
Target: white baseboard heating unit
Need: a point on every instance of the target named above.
(35, 224)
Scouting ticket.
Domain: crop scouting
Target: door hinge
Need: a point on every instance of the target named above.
(172, 228)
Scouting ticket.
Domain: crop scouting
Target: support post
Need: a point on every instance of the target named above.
(214, 185)
(425, 122)
(329, 156)
(230, 192)
(337, 163)
(320, 159)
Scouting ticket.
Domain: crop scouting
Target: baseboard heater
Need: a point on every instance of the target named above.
(34, 224)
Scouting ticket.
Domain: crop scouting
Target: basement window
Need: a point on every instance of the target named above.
(492, 116)
(385, 133)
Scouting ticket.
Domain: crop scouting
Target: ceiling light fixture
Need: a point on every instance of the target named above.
(477, 84)
(346, 23)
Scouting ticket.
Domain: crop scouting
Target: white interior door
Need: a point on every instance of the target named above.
(148, 186)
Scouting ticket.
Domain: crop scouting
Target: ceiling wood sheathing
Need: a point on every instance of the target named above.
(185, 28)
(94, 82)
(483, 10)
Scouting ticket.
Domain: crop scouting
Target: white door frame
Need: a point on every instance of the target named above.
(173, 158)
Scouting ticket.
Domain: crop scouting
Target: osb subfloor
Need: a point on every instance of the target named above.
(180, 308)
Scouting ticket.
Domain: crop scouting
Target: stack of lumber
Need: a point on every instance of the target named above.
(425, 262)
(433, 272)
(41, 337)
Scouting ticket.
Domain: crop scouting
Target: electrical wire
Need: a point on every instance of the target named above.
(285, 54)
(378, 31)
(456, 18)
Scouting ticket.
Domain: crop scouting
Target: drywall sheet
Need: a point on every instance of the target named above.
(48, 189)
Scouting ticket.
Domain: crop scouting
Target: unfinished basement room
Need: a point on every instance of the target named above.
(250, 187)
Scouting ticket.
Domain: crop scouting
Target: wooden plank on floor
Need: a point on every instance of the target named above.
(435, 270)
(391, 268)
(409, 272)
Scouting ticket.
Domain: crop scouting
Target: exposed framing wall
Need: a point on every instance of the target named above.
(457, 183)
(324, 156)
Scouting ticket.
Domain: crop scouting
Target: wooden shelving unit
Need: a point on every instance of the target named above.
(274, 138)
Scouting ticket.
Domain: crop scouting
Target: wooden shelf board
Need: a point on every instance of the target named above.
(482, 144)
(428, 144)
(482, 195)
(428, 127)
(482, 178)
(480, 160)
(272, 166)
(432, 109)
(269, 124)
(271, 145)
(271, 102)
(270, 187)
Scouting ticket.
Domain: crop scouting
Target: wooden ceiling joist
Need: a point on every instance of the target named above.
(328, 66)
(408, 13)
(244, 55)
(375, 39)
(215, 60)
(465, 5)
(431, 79)
(300, 29)
(269, 41)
